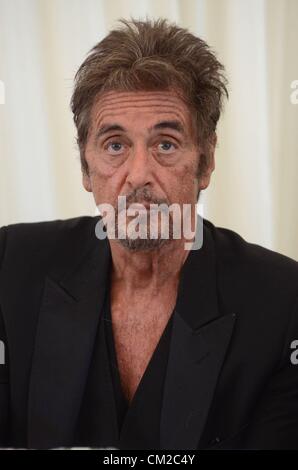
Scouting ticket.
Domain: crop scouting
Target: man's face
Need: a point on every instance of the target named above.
(142, 145)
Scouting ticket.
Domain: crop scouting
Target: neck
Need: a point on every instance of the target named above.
(147, 271)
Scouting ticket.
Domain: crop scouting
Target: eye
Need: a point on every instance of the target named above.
(116, 146)
(167, 145)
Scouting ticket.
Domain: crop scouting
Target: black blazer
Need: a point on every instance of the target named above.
(230, 381)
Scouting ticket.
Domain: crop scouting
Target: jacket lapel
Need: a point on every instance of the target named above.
(66, 330)
(199, 341)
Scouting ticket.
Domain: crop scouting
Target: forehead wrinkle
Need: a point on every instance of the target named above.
(121, 94)
(167, 110)
(140, 103)
(175, 115)
(165, 102)
(171, 101)
(129, 98)
(164, 96)
(109, 110)
(168, 103)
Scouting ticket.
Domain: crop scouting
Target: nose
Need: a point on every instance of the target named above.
(139, 168)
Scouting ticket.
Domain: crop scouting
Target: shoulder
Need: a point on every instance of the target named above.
(260, 286)
(26, 232)
(252, 276)
(237, 254)
(34, 244)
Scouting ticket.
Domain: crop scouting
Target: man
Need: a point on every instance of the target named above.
(136, 342)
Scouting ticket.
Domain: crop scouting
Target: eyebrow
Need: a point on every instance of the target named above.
(175, 125)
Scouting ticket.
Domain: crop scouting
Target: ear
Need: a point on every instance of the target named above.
(86, 182)
(207, 163)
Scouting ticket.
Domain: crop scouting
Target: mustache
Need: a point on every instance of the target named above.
(143, 195)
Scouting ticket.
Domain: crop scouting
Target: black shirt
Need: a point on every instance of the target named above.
(106, 419)
(120, 401)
